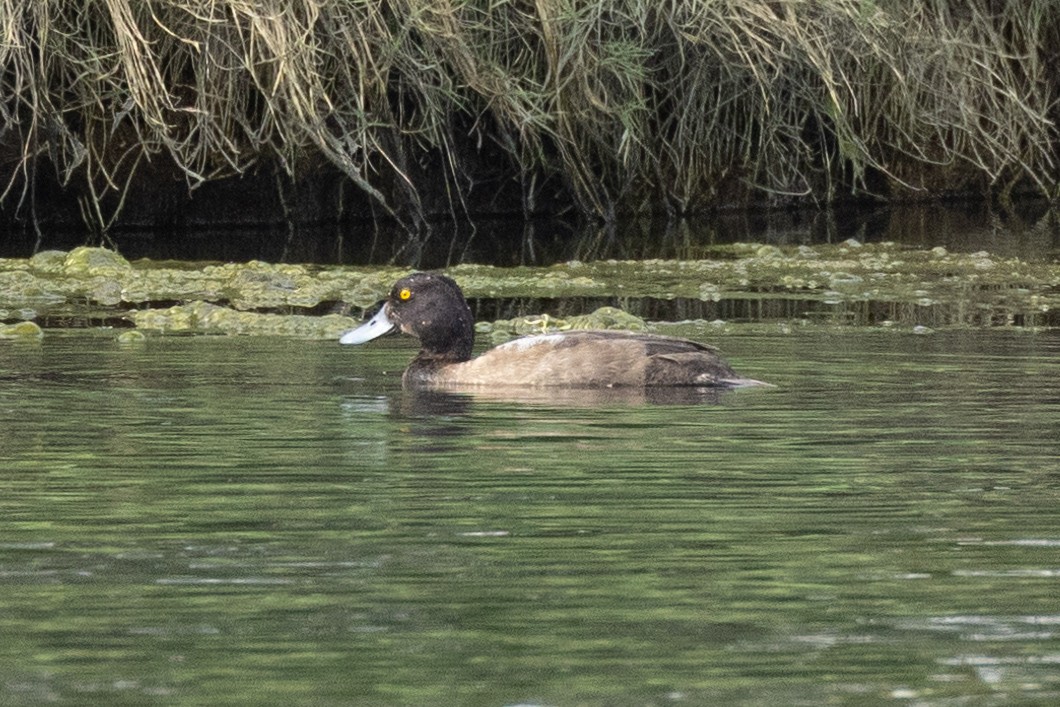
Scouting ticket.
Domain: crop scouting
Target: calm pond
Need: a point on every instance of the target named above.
(244, 520)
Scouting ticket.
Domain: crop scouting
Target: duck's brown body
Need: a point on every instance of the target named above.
(585, 359)
(432, 308)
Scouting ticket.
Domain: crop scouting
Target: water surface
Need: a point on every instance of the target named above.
(215, 520)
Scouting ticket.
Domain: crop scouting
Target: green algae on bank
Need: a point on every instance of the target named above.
(502, 330)
(848, 270)
(21, 330)
(132, 337)
(977, 289)
(204, 317)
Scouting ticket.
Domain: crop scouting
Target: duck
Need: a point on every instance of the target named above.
(432, 308)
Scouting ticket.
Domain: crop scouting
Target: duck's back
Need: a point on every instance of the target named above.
(589, 359)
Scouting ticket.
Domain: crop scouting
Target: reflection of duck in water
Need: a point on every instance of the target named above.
(433, 309)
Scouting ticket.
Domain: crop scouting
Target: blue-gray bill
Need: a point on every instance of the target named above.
(375, 327)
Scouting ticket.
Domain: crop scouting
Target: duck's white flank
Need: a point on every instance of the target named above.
(528, 342)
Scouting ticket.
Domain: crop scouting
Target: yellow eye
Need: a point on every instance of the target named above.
(405, 293)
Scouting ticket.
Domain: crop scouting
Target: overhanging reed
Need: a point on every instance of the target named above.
(629, 105)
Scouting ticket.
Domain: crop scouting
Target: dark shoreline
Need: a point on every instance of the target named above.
(1030, 229)
(183, 114)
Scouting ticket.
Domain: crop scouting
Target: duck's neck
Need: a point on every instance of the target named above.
(431, 361)
(440, 358)
(425, 371)
(452, 344)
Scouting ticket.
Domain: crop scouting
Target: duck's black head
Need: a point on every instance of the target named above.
(428, 306)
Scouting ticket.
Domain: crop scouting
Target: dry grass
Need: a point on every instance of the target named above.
(632, 105)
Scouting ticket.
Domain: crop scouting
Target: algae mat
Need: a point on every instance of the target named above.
(96, 287)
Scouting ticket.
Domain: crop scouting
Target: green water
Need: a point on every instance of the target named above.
(215, 520)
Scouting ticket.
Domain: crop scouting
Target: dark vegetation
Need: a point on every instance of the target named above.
(158, 113)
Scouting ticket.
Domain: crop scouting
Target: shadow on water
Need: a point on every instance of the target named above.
(1029, 230)
(423, 403)
(437, 419)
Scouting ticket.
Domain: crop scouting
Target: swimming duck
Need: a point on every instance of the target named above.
(432, 308)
